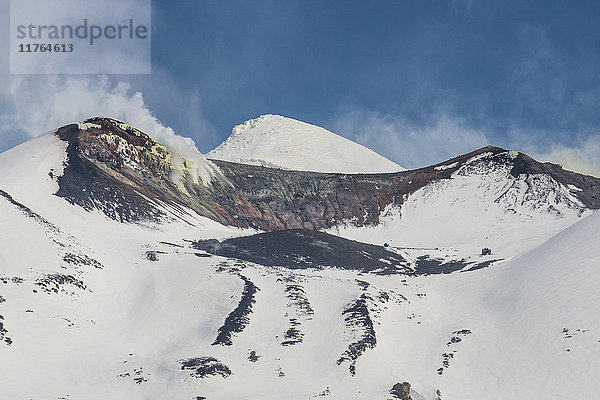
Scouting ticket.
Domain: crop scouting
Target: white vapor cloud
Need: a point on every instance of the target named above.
(583, 157)
(37, 105)
(407, 143)
(443, 136)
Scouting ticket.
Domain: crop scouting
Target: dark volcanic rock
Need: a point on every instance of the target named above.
(124, 173)
(401, 391)
(204, 366)
(300, 249)
(90, 181)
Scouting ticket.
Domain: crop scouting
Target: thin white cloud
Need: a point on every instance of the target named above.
(442, 137)
(583, 158)
(407, 143)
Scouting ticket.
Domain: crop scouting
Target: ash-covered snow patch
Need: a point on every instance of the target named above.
(58, 283)
(237, 320)
(430, 266)
(299, 310)
(293, 335)
(15, 280)
(377, 299)
(360, 326)
(201, 367)
(29, 213)
(4, 333)
(81, 260)
(457, 337)
(482, 265)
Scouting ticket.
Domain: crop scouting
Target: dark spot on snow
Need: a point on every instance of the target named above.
(292, 336)
(463, 332)
(362, 284)
(454, 339)
(208, 245)
(204, 366)
(16, 280)
(570, 333)
(253, 357)
(138, 375)
(446, 359)
(237, 320)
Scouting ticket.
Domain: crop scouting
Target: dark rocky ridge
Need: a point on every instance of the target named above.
(99, 174)
(306, 249)
(301, 249)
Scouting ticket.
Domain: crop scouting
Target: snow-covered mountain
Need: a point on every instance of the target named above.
(280, 142)
(124, 276)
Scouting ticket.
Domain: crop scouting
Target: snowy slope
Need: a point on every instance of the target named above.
(540, 328)
(481, 205)
(92, 308)
(280, 142)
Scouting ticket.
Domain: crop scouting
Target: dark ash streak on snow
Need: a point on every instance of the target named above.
(237, 320)
(357, 319)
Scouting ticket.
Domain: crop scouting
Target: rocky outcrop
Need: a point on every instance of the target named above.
(401, 391)
(127, 175)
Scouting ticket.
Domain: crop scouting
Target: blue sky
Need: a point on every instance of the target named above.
(417, 81)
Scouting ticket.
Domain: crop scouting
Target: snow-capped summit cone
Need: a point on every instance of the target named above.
(280, 142)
